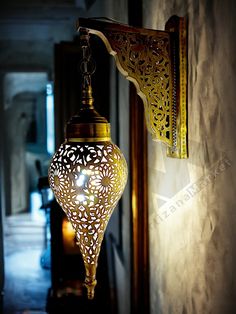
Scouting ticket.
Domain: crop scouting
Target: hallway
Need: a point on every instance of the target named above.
(26, 282)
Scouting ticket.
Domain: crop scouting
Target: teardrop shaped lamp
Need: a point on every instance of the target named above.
(88, 175)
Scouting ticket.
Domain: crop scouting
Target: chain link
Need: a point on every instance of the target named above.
(87, 65)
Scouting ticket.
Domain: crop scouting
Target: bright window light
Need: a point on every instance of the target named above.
(50, 119)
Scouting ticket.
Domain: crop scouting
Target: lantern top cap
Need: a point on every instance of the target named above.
(87, 126)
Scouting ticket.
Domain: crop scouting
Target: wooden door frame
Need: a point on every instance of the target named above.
(139, 188)
(139, 207)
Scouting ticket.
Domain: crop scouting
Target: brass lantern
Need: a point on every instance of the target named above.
(88, 175)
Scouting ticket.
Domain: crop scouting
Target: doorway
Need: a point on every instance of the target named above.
(28, 147)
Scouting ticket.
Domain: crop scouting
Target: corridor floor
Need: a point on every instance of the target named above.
(26, 282)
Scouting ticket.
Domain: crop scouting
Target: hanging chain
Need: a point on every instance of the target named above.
(87, 65)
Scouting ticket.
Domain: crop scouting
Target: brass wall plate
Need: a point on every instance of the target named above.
(156, 62)
(178, 26)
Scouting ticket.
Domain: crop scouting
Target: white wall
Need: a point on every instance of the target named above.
(192, 202)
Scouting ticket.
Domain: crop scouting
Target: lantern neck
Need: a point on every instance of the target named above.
(87, 126)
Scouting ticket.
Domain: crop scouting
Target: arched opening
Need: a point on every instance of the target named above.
(28, 146)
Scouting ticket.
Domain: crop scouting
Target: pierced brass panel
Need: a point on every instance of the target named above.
(88, 180)
(144, 60)
(156, 62)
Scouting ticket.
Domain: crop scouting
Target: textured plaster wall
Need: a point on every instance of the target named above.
(192, 202)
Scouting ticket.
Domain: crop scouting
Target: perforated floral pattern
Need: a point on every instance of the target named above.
(146, 59)
(87, 181)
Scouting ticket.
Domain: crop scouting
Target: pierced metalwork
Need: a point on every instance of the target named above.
(155, 61)
(88, 181)
(144, 60)
(88, 173)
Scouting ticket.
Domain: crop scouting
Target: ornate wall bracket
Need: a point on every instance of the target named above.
(156, 62)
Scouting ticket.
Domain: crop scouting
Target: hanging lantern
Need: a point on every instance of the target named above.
(88, 174)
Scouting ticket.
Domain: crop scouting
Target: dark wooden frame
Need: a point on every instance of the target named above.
(140, 301)
(139, 207)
